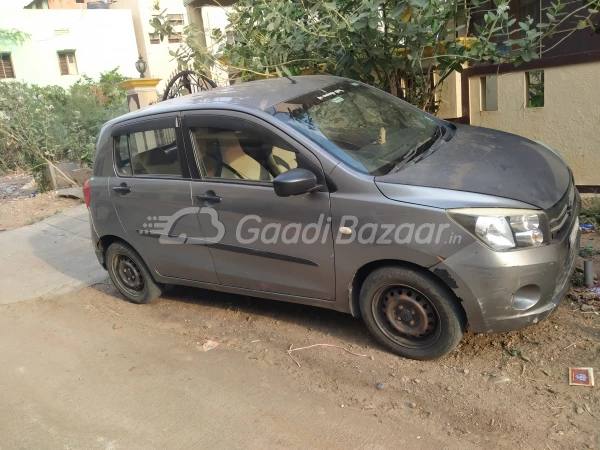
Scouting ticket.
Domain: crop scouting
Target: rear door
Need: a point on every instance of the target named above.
(150, 189)
(258, 240)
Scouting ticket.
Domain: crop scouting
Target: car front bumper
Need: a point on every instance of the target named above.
(494, 287)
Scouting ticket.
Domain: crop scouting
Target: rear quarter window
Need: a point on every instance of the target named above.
(122, 159)
(152, 153)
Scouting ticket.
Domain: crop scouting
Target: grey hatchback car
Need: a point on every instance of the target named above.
(324, 191)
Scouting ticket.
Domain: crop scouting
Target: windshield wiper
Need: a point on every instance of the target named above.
(412, 152)
(423, 147)
(430, 150)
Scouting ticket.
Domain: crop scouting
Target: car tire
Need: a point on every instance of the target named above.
(130, 275)
(411, 312)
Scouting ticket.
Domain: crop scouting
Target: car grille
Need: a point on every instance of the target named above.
(569, 264)
(561, 214)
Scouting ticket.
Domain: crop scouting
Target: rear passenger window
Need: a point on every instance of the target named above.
(148, 153)
(122, 160)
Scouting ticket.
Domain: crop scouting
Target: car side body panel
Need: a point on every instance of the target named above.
(405, 232)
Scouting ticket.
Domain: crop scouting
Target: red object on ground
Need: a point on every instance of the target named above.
(581, 376)
(87, 195)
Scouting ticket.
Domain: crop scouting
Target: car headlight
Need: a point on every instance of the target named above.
(504, 229)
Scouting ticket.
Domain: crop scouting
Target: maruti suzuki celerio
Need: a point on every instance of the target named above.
(327, 192)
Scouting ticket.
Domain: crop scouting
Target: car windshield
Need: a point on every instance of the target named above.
(364, 127)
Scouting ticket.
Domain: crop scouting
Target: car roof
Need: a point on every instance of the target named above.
(258, 94)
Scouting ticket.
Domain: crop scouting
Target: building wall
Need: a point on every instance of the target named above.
(160, 62)
(569, 121)
(102, 40)
(208, 15)
(449, 95)
(140, 39)
(214, 17)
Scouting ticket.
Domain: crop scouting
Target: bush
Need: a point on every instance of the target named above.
(40, 124)
(590, 211)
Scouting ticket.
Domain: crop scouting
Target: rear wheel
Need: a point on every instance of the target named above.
(130, 275)
(411, 312)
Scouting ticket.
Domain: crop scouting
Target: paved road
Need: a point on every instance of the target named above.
(48, 258)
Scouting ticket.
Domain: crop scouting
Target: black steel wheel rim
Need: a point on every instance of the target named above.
(128, 275)
(406, 316)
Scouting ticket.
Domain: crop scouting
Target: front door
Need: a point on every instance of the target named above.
(260, 241)
(151, 191)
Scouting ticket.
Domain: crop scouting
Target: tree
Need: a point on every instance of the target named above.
(396, 45)
(12, 37)
(42, 125)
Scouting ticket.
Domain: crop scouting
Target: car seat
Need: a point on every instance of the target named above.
(281, 160)
(236, 163)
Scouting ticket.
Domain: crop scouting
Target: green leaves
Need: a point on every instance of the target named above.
(419, 3)
(393, 44)
(287, 71)
(373, 22)
(61, 124)
(397, 10)
(360, 24)
(13, 37)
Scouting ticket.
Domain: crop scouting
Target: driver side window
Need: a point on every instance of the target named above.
(241, 151)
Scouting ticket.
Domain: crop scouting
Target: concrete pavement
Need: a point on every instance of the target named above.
(51, 257)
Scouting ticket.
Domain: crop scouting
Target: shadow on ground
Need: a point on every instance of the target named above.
(328, 322)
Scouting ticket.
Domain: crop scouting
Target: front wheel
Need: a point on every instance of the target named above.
(130, 275)
(411, 312)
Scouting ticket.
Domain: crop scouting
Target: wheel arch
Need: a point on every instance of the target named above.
(363, 272)
(102, 245)
(105, 241)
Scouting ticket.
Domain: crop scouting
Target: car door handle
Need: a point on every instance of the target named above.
(212, 198)
(122, 189)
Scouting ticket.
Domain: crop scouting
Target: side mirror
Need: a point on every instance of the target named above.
(295, 182)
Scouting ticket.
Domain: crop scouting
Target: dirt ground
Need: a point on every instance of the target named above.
(21, 204)
(511, 390)
(507, 391)
(90, 370)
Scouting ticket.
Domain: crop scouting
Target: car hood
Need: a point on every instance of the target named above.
(490, 162)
